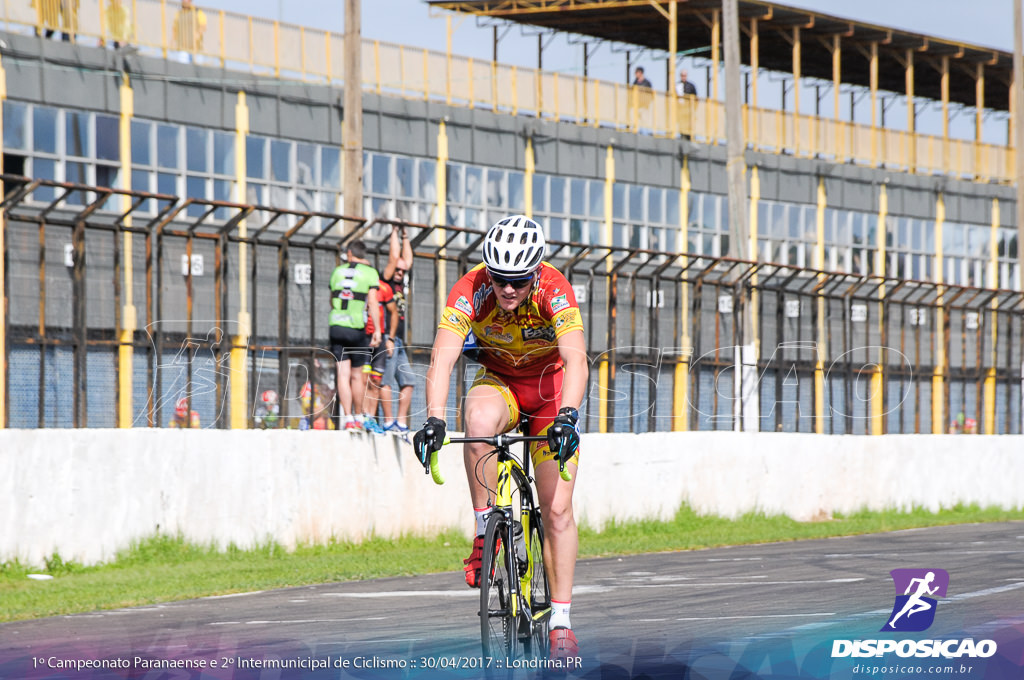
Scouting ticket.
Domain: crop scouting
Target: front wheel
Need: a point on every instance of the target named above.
(498, 636)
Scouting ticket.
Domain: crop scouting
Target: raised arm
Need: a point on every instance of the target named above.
(399, 251)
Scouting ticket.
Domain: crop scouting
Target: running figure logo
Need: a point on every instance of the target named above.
(914, 609)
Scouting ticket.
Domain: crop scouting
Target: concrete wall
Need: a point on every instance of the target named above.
(88, 493)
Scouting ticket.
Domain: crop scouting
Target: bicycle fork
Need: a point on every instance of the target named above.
(503, 504)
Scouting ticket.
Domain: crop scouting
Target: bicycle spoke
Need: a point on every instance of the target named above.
(498, 634)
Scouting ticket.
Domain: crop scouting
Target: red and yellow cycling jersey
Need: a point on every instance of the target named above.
(523, 342)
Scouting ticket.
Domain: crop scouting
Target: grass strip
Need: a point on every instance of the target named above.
(166, 568)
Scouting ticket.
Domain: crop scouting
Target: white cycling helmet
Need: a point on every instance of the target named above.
(514, 247)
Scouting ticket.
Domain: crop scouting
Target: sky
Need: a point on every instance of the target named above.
(987, 23)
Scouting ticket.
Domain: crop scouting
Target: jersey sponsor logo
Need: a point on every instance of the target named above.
(462, 304)
(455, 321)
(347, 294)
(568, 317)
(479, 296)
(545, 333)
(497, 333)
(559, 302)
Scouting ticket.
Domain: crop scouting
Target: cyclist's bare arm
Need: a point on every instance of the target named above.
(447, 348)
(573, 350)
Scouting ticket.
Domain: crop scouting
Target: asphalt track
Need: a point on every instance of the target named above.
(766, 611)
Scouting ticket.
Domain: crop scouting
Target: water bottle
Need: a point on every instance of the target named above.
(519, 541)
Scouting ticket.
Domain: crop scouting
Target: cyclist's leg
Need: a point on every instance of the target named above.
(490, 408)
(553, 494)
(561, 542)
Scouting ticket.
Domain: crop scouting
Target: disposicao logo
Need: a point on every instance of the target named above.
(916, 590)
(912, 612)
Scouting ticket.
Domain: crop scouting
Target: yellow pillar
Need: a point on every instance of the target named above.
(129, 317)
(755, 196)
(944, 90)
(755, 292)
(673, 39)
(716, 44)
(528, 172)
(681, 392)
(989, 422)
(822, 349)
(3, 277)
(796, 90)
(839, 134)
(442, 205)
(873, 83)
(239, 358)
(979, 106)
(755, 61)
(878, 377)
(911, 113)
(939, 376)
(605, 370)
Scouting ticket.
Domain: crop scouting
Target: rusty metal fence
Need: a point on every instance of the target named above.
(120, 303)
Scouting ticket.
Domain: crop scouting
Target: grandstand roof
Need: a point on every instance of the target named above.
(643, 23)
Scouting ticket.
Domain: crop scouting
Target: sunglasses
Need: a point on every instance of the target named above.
(518, 284)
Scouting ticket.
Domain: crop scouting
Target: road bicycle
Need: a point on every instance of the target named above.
(515, 601)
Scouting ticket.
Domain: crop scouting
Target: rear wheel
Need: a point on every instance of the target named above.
(540, 594)
(497, 624)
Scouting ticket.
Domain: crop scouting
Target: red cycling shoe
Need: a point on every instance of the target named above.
(475, 560)
(563, 644)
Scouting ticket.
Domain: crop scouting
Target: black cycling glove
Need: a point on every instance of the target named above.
(564, 434)
(429, 439)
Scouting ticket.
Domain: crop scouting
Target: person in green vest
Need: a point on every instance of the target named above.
(353, 295)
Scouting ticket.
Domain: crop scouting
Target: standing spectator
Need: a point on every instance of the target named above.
(373, 372)
(397, 372)
(685, 87)
(641, 96)
(686, 91)
(52, 14)
(354, 287)
(639, 79)
(119, 26)
(189, 26)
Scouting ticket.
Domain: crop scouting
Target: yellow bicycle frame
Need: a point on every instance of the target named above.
(503, 501)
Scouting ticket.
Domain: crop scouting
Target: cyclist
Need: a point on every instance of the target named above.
(529, 336)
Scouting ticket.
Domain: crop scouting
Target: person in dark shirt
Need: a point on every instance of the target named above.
(397, 371)
(639, 79)
(684, 86)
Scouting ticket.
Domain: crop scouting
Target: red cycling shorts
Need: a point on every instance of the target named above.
(537, 397)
